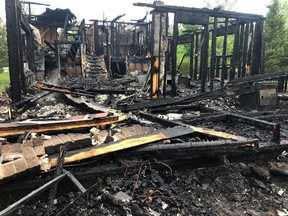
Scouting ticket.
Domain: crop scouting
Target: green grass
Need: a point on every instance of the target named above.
(4, 80)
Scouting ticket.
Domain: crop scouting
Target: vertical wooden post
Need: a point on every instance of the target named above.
(174, 55)
(224, 54)
(15, 49)
(213, 52)
(191, 56)
(204, 58)
(196, 57)
(235, 57)
(245, 50)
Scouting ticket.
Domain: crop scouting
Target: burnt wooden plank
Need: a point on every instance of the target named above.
(204, 131)
(18, 128)
(125, 144)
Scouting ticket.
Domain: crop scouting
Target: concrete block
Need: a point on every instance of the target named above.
(37, 141)
(67, 142)
(57, 143)
(30, 157)
(8, 169)
(28, 143)
(39, 150)
(6, 148)
(20, 165)
(49, 147)
(80, 140)
(15, 148)
(6, 157)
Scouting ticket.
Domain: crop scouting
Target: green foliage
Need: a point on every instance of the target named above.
(276, 37)
(4, 80)
(3, 45)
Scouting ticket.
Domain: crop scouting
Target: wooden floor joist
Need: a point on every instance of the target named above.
(124, 144)
(19, 128)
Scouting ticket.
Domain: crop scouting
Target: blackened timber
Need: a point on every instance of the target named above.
(15, 48)
(196, 57)
(204, 58)
(240, 54)
(18, 128)
(257, 47)
(275, 127)
(205, 131)
(235, 51)
(224, 55)
(257, 78)
(125, 144)
(215, 13)
(213, 53)
(245, 50)
(191, 56)
(174, 55)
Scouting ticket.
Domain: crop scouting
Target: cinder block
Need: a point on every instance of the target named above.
(20, 165)
(49, 147)
(15, 148)
(39, 150)
(28, 143)
(67, 142)
(30, 157)
(37, 141)
(6, 148)
(8, 169)
(80, 140)
(57, 143)
(6, 157)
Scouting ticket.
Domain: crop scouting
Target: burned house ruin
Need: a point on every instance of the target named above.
(95, 97)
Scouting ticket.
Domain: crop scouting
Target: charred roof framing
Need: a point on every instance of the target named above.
(247, 56)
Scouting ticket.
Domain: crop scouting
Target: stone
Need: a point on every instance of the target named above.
(123, 197)
(57, 143)
(1, 172)
(128, 132)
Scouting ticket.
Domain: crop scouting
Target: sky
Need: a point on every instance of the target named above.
(96, 9)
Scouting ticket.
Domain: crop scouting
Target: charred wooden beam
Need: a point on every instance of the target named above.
(205, 131)
(275, 127)
(18, 128)
(124, 144)
(13, 16)
(257, 78)
(221, 13)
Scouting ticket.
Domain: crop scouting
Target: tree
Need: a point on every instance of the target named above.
(3, 45)
(276, 38)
